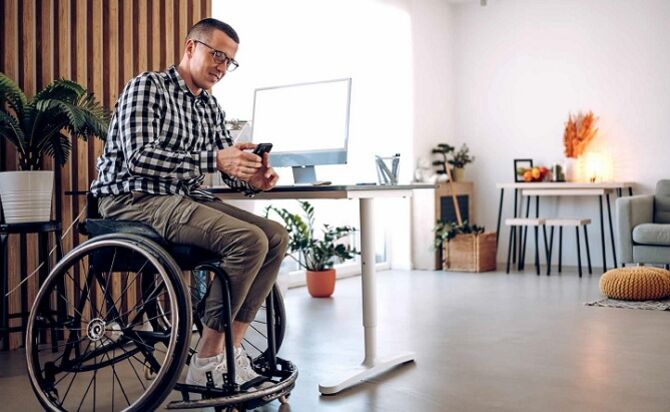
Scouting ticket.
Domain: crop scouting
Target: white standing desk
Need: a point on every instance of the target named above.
(372, 365)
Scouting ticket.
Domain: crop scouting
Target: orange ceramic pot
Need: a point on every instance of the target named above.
(321, 284)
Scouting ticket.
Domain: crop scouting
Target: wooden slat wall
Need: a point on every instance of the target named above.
(101, 44)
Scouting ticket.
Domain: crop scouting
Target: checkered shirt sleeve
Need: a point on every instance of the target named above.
(162, 139)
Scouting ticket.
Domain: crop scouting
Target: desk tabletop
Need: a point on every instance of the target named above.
(326, 191)
(564, 185)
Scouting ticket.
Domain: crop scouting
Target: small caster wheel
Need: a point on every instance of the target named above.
(284, 399)
(148, 373)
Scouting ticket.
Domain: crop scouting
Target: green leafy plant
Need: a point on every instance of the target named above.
(461, 157)
(445, 231)
(36, 126)
(314, 254)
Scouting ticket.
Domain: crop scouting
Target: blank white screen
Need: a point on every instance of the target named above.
(306, 117)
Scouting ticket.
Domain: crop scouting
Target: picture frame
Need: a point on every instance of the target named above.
(521, 163)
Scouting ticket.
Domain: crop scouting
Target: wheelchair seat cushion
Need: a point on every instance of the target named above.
(186, 256)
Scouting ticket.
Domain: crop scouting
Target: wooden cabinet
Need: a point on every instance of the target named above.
(429, 206)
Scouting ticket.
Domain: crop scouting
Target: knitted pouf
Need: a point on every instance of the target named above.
(636, 283)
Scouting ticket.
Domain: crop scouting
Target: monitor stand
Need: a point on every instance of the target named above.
(304, 174)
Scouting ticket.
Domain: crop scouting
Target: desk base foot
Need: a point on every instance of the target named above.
(364, 372)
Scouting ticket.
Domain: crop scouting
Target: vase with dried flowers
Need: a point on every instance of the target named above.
(579, 132)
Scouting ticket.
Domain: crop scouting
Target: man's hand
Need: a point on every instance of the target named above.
(265, 177)
(235, 162)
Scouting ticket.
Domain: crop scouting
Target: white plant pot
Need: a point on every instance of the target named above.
(26, 195)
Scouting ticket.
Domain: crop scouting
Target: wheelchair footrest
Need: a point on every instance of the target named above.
(282, 380)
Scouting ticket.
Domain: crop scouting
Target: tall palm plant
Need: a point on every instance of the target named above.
(38, 126)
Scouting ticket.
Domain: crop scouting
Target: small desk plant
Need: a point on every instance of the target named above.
(42, 126)
(316, 256)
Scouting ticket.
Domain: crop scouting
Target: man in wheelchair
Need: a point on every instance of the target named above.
(167, 130)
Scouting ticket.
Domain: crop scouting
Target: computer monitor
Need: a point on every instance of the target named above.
(307, 123)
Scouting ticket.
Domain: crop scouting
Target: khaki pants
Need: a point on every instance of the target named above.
(251, 247)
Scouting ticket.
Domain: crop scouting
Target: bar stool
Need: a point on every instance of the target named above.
(561, 223)
(523, 224)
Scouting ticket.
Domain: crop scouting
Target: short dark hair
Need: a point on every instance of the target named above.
(202, 30)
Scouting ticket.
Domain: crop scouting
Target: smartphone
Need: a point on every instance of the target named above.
(262, 148)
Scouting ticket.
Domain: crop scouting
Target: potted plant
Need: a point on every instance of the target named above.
(458, 159)
(37, 127)
(316, 256)
(465, 247)
(442, 149)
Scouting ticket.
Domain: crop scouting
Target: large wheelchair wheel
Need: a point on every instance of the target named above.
(90, 333)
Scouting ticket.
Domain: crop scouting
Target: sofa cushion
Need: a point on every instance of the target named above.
(652, 234)
(662, 202)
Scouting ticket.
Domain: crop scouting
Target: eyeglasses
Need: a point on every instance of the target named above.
(221, 57)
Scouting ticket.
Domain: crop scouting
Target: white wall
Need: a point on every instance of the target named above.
(520, 66)
(433, 58)
(296, 41)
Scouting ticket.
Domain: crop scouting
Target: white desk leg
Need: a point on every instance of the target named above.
(371, 365)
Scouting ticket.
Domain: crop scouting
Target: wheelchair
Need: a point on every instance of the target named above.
(116, 320)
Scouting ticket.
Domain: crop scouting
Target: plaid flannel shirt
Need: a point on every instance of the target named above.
(162, 139)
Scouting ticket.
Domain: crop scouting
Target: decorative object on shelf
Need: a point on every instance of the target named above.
(533, 174)
(444, 150)
(423, 171)
(458, 159)
(37, 127)
(387, 169)
(570, 166)
(520, 166)
(465, 247)
(316, 256)
(579, 131)
(557, 174)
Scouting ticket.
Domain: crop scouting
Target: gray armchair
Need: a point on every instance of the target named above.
(643, 224)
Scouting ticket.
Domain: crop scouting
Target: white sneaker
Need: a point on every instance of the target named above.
(244, 372)
(198, 368)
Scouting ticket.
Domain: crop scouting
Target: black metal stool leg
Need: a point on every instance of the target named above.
(500, 205)
(516, 235)
(609, 218)
(588, 252)
(602, 232)
(550, 250)
(522, 261)
(546, 247)
(537, 250)
(560, 249)
(579, 253)
(510, 246)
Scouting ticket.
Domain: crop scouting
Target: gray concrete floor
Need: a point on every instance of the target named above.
(483, 342)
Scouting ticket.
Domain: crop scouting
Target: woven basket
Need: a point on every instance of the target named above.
(470, 253)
